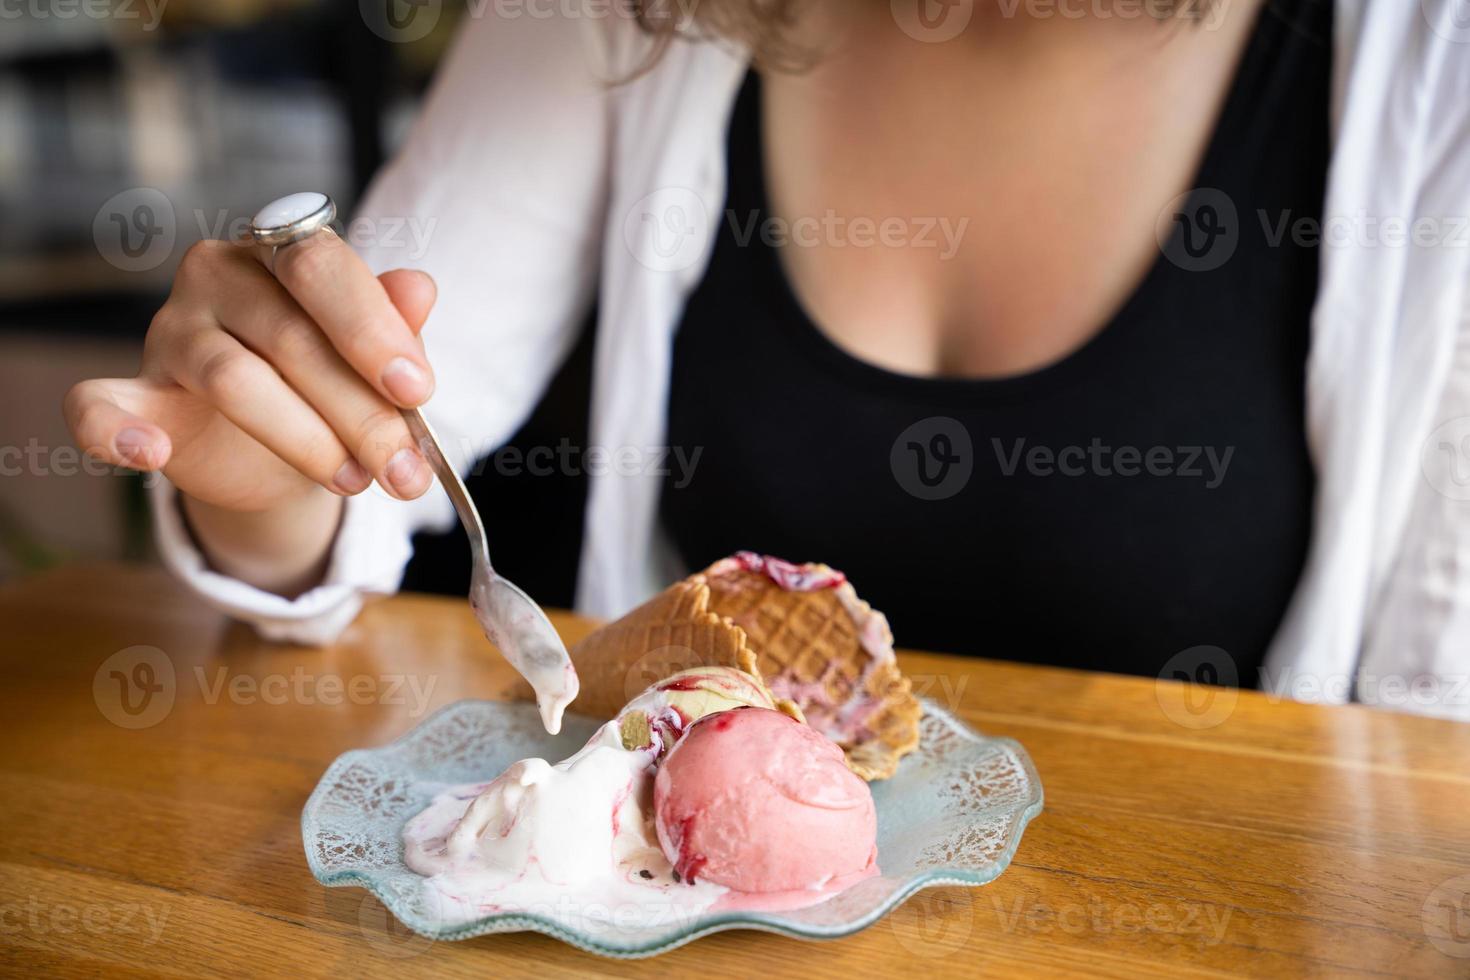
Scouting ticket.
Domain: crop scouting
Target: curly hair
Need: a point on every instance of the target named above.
(764, 26)
(760, 26)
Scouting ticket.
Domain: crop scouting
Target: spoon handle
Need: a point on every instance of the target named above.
(428, 443)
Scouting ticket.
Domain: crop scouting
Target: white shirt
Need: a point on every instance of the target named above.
(530, 185)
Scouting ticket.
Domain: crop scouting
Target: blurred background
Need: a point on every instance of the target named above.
(129, 129)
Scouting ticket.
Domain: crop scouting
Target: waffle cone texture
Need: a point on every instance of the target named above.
(673, 631)
(831, 653)
(823, 652)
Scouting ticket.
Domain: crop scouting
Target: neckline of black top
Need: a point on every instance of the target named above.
(749, 195)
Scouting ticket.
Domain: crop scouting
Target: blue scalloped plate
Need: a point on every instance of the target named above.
(953, 814)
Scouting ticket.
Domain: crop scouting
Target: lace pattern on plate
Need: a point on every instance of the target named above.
(953, 814)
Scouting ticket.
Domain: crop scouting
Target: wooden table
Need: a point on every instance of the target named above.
(1285, 840)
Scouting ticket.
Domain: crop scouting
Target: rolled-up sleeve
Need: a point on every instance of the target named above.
(499, 193)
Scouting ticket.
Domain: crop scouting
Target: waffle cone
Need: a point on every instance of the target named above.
(673, 631)
(823, 647)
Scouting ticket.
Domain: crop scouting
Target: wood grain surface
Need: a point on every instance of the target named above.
(1181, 836)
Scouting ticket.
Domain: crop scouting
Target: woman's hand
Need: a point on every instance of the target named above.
(258, 391)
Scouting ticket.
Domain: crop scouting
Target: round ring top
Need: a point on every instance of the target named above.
(292, 218)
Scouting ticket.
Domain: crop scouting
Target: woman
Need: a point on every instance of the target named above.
(1012, 310)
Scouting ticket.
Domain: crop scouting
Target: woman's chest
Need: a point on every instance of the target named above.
(982, 214)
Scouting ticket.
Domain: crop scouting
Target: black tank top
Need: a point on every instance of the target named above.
(1148, 493)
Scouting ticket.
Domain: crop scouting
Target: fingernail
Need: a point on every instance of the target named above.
(133, 447)
(406, 472)
(406, 381)
(351, 478)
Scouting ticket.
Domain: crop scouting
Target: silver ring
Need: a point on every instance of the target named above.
(292, 218)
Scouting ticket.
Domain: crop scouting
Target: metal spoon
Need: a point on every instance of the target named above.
(510, 618)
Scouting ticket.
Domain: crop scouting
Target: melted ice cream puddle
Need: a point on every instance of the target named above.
(577, 840)
(574, 840)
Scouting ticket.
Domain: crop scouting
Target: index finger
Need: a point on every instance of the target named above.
(336, 288)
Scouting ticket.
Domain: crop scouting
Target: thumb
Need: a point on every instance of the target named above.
(99, 416)
(413, 292)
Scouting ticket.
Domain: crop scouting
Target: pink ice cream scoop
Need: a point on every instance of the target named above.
(758, 802)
